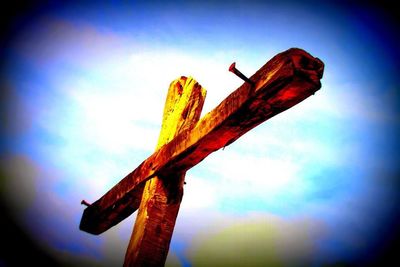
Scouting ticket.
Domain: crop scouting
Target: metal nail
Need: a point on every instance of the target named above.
(84, 202)
(234, 70)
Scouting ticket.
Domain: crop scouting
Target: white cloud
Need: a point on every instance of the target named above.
(251, 174)
(233, 176)
(199, 193)
(100, 120)
(111, 111)
(353, 101)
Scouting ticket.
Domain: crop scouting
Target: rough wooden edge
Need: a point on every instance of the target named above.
(285, 80)
(161, 198)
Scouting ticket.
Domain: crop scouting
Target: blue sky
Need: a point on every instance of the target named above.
(83, 91)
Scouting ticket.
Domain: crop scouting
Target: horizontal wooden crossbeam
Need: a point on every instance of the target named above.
(285, 80)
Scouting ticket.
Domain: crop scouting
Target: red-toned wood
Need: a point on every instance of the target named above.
(285, 80)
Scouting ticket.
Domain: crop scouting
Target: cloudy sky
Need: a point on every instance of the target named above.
(83, 88)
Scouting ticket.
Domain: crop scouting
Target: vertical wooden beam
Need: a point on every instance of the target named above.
(162, 196)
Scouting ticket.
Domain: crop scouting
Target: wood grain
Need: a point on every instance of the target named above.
(285, 80)
(161, 198)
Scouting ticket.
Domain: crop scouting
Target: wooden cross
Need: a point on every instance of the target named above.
(156, 185)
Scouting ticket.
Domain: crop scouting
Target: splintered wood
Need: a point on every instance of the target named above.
(162, 195)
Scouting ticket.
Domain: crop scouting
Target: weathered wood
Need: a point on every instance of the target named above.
(162, 196)
(285, 80)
